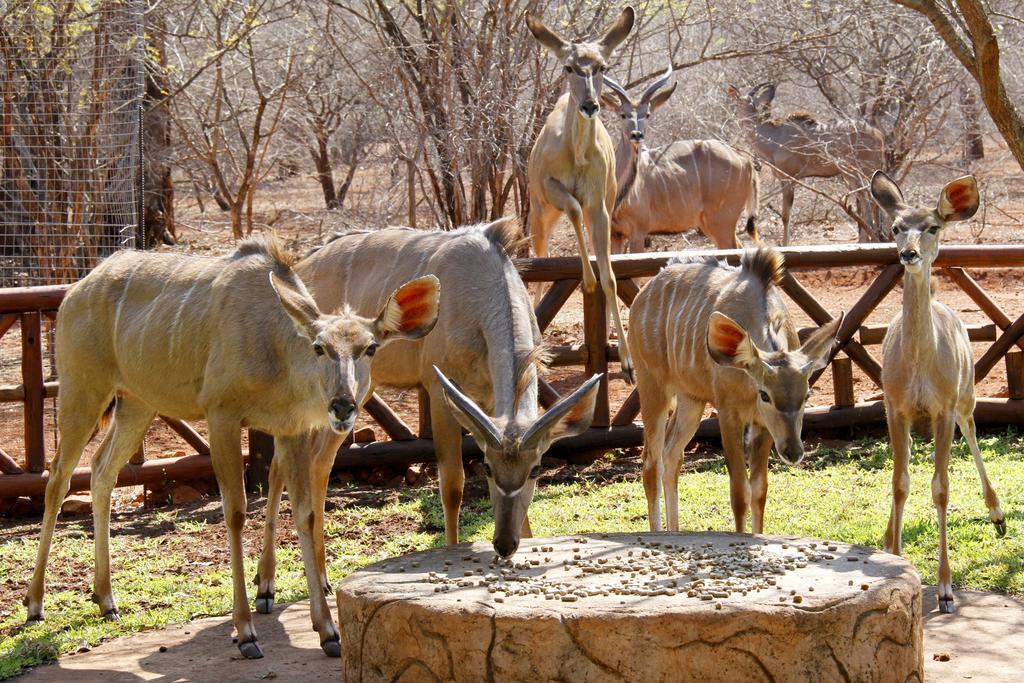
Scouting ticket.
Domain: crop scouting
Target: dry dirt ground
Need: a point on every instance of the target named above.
(960, 646)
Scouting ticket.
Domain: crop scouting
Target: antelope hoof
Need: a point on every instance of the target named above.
(1000, 527)
(331, 648)
(32, 618)
(946, 605)
(328, 590)
(250, 649)
(265, 603)
(111, 615)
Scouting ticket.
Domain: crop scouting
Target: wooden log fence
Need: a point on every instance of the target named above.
(31, 306)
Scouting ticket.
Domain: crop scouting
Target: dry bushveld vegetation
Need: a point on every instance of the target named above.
(317, 114)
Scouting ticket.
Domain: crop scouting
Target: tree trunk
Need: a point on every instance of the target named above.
(324, 173)
(974, 144)
(158, 184)
(346, 184)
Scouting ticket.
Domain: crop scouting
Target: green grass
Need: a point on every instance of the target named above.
(169, 566)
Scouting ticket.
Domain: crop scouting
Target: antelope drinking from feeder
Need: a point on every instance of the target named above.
(704, 332)
(237, 340)
(927, 362)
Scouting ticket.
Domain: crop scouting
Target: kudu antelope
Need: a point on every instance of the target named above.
(237, 340)
(703, 184)
(486, 339)
(572, 164)
(704, 332)
(799, 146)
(927, 362)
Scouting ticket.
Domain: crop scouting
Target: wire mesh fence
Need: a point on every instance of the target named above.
(71, 88)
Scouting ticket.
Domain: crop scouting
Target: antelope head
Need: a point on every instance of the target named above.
(917, 229)
(513, 449)
(585, 62)
(342, 346)
(756, 106)
(635, 113)
(781, 378)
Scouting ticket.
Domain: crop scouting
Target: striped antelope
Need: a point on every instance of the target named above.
(690, 183)
(572, 163)
(486, 339)
(928, 365)
(235, 339)
(704, 332)
(801, 147)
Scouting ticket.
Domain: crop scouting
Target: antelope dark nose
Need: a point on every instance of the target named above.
(590, 107)
(908, 255)
(637, 136)
(793, 456)
(342, 409)
(505, 547)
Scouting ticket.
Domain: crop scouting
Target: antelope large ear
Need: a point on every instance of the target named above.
(411, 312)
(546, 36)
(297, 303)
(820, 345)
(661, 98)
(729, 344)
(617, 32)
(469, 414)
(887, 193)
(572, 415)
(959, 199)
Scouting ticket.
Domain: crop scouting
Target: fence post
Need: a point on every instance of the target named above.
(1015, 374)
(842, 381)
(423, 403)
(595, 334)
(32, 379)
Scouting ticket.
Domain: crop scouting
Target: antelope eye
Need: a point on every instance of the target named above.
(487, 471)
(764, 396)
(535, 472)
(568, 69)
(934, 230)
(895, 230)
(371, 349)
(318, 348)
(623, 116)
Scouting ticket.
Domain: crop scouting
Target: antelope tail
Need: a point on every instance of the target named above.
(753, 202)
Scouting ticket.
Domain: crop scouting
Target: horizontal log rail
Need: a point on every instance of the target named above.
(32, 306)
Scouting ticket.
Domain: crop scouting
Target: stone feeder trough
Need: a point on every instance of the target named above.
(637, 607)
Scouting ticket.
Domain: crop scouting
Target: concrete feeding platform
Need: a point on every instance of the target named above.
(651, 607)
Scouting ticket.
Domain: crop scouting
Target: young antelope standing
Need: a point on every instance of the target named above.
(237, 340)
(705, 332)
(927, 362)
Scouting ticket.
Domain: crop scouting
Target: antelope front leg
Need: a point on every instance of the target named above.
(297, 466)
(899, 436)
(681, 429)
(600, 232)
(735, 462)
(940, 498)
(326, 444)
(654, 409)
(226, 454)
(451, 476)
(760, 450)
(268, 557)
(788, 187)
(559, 197)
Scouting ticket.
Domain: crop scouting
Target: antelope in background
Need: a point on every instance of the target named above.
(801, 147)
(236, 339)
(486, 339)
(689, 183)
(704, 332)
(927, 362)
(572, 163)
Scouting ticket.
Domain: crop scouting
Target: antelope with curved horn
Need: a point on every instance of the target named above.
(703, 332)
(799, 146)
(572, 163)
(927, 362)
(703, 184)
(237, 340)
(486, 340)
